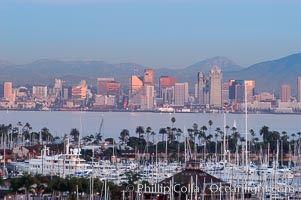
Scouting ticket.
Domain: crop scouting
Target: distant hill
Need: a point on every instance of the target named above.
(45, 70)
(269, 75)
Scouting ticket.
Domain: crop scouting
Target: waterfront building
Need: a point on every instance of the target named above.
(264, 97)
(8, 90)
(136, 84)
(104, 102)
(225, 93)
(240, 93)
(107, 86)
(40, 92)
(196, 86)
(201, 88)
(22, 93)
(216, 87)
(148, 98)
(299, 89)
(79, 93)
(149, 77)
(66, 94)
(181, 94)
(237, 93)
(58, 86)
(168, 95)
(285, 93)
(166, 82)
(250, 89)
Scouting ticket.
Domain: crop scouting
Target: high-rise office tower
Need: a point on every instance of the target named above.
(285, 93)
(235, 87)
(136, 83)
(40, 92)
(107, 86)
(299, 89)
(58, 87)
(8, 90)
(149, 77)
(102, 85)
(225, 93)
(79, 92)
(166, 82)
(147, 98)
(181, 93)
(250, 89)
(201, 88)
(216, 87)
(168, 94)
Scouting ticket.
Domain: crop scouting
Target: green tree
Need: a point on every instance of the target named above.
(140, 131)
(124, 136)
(46, 135)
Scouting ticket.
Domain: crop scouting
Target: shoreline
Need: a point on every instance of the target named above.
(146, 111)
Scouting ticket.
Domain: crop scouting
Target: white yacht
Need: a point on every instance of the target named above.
(62, 165)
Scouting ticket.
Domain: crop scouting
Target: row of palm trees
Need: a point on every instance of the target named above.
(22, 134)
(211, 141)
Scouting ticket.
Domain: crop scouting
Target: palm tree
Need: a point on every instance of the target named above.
(210, 124)
(46, 135)
(140, 131)
(235, 136)
(293, 136)
(26, 132)
(34, 137)
(162, 131)
(170, 134)
(148, 132)
(202, 136)
(190, 133)
(173, 120)
(252, 132)
(227, 136)
(19, 124)
(217, 133)
(264, 131)
(124, 136)
(299, 134)
(74, 133)
(195, 134)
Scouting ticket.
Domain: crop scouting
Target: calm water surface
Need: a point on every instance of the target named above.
(89, 122)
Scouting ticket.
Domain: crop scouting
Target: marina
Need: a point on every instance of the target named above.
(190, 165)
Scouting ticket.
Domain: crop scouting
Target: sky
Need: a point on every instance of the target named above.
(154, 33)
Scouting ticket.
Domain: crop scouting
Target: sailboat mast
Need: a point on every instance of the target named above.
(81, 129)
(246, 112)
(224, 136)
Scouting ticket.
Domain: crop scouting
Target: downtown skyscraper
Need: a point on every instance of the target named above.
(216, 87)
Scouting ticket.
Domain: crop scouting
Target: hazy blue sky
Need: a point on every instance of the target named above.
(150, 32)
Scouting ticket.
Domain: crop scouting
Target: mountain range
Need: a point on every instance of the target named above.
(268, 75)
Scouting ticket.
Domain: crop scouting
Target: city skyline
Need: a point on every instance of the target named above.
(152, 33)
